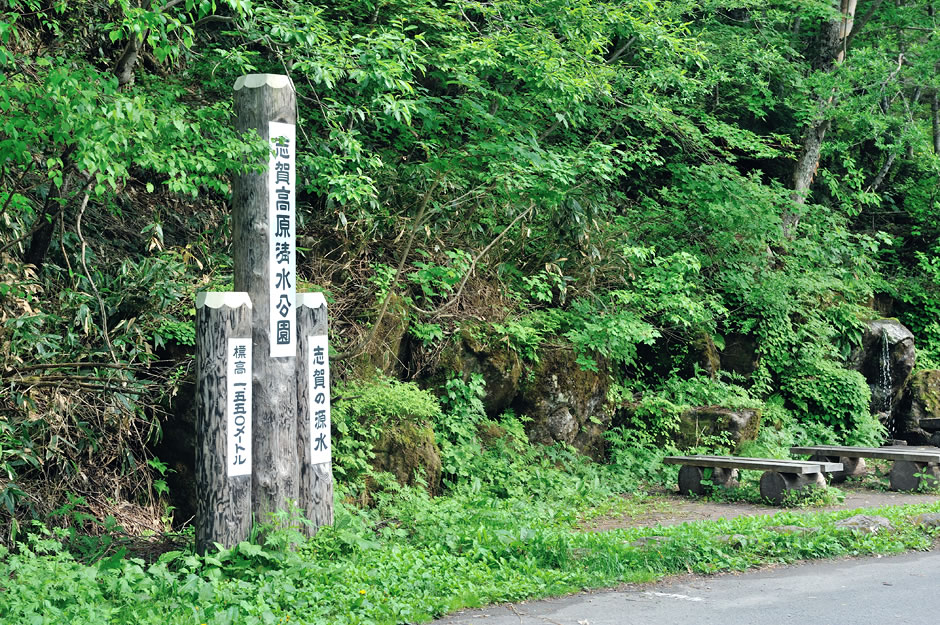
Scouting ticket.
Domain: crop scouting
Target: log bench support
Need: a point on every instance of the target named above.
(780, 476)
(851, 467)
(775, 485)
(692, 479)
(909, 475)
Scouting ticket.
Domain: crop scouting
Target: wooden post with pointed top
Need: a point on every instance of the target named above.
(313, 412)
(223, 419)
(264, 249)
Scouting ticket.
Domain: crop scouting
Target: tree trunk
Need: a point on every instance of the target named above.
(316, 478)
(260, 99)
(124, 68)
(223, 495)
(42, 237)
(831, 49)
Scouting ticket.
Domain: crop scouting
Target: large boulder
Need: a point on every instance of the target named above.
(409, 451)
(471, 353)
(696, 425)
(886, 358)
(566, 403)
(921, 400)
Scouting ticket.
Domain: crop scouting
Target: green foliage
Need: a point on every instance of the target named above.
(835, 397)
(437, 556)
(439, 280)
(427, 333)
(363, 410)
(457, 425)
(619, 174)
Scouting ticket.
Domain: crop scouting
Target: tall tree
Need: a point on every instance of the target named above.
(830, 50)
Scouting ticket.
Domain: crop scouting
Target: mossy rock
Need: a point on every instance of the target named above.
(921, 400)
(868, 359)
(696, 424)
(470, 353)
(407, 450)
(565, 403)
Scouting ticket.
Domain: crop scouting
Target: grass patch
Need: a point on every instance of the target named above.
(414, 558)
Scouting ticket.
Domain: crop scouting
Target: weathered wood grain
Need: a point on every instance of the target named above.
(316, 480)
(260, 99)
(223, 513)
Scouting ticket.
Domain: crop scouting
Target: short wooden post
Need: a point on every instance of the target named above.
(223, 481)
(692, 479)
(313, 409)
(851, 467)
(909, 475)
(264, 251)
(775, 485)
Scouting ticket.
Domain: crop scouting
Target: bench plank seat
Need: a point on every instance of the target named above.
(879, 453)
(799, 467)
(911, 468)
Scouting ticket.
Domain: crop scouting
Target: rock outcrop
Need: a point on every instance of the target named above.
(408, 451)
(566, 403)
(886, 358)
(499, 364)
(921, 400)
(696, 425)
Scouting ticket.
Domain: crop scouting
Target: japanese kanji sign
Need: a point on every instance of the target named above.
(238, 381)
(319, 396)
(282, 249)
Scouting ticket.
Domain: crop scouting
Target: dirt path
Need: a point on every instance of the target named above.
(669, 508)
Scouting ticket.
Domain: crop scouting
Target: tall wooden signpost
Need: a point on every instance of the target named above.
(287, 370)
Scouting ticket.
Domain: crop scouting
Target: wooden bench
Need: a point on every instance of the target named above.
(780, 476)
(909, 464)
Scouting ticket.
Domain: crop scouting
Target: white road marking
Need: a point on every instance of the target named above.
(673, 596)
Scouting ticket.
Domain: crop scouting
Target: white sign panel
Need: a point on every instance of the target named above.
(238, 431)
(318, 364)
(282, 250)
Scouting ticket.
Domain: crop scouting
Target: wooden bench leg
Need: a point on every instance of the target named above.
(850, 466)
(774, 485)
(691, 479)
(906, 475)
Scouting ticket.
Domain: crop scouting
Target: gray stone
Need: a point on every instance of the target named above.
(708, 421)
(928, 519)
(566, 404)
(865, 524)
(732, 540)
(792, 529)
(867, 360)
(473, 352)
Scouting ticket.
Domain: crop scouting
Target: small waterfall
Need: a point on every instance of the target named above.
(884, 379)
(884, 382)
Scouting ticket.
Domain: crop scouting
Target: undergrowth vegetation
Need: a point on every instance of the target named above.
(703, 204)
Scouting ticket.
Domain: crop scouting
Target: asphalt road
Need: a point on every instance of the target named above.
(867, 591)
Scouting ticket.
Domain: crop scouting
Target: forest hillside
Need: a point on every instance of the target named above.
(623, 227)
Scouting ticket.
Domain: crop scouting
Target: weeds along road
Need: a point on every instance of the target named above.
(867, 591)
